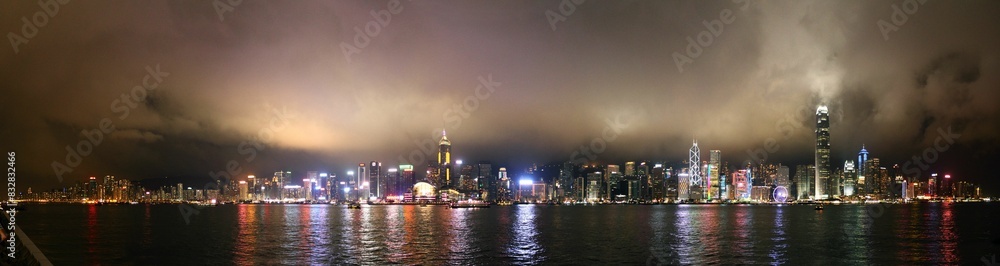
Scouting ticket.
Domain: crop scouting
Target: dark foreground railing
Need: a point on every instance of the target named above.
(26, 252)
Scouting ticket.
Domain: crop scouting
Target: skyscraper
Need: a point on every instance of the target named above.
(484, 179)
(612, 175)
(713, 171)
(629, 168)
(503, 186)
(823, 187)
(375, 179)
(804, 181)
(860, 186)
(444, 161)
(850, 175)
(407, 179)
(694, 172)
(364, 186)
(392, 183)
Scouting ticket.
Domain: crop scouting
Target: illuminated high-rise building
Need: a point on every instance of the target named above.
(408, 178)
(310, 184)
(444, 161)
(932, 183)
(485, 181)
(683, 183)
(593, 187)
(850, 175)
(741, 179)
(782, 177)
(694, 172)
(629, 168)
(613, 175)
(466, 180)
(278, 183)
(375, 182)
(823, 188)
(946, 188)
(804, 178)
(180, 190)
(713, 171)
(244, 190)
(307, 188)
(504, 185)
(860, 183)
(363, 183)
(872, 177)
(657, 182)
(391, 181)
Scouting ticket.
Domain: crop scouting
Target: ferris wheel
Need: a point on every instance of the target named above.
(780, 194)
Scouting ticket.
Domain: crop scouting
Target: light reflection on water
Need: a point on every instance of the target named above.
(525, 247)
(943, 233)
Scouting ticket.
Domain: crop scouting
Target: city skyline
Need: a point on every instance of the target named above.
(213, 86)
(694, 180)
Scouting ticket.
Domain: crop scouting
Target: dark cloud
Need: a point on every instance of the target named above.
(760, 78)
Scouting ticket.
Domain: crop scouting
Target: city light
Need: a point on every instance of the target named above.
(525, 182)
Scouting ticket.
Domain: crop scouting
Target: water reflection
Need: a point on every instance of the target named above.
(246, 234)
(743, 246)
(685, 227)
(525, 247)
(948, 237)
(779, 245)
(92, 233)
(460, 248)
(147, 230)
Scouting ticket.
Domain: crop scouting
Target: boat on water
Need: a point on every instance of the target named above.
(470, 204)
(819, 207)
(354, 205)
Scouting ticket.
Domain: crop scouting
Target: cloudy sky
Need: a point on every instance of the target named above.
(323, 85)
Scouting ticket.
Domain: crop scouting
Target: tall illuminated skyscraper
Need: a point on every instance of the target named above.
(823, 187)
(694, 172)
(804, 178)
(364, 186)
(850, 173)
(407, 178)
(375, 182)
(861, 179)
(713, 172)
(444, 161)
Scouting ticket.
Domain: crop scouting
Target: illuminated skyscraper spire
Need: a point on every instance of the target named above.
(444, 160)
(694, 165)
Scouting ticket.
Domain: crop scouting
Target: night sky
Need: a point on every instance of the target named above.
(278, 71)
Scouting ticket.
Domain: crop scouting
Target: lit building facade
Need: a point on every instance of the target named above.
(823, 187)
